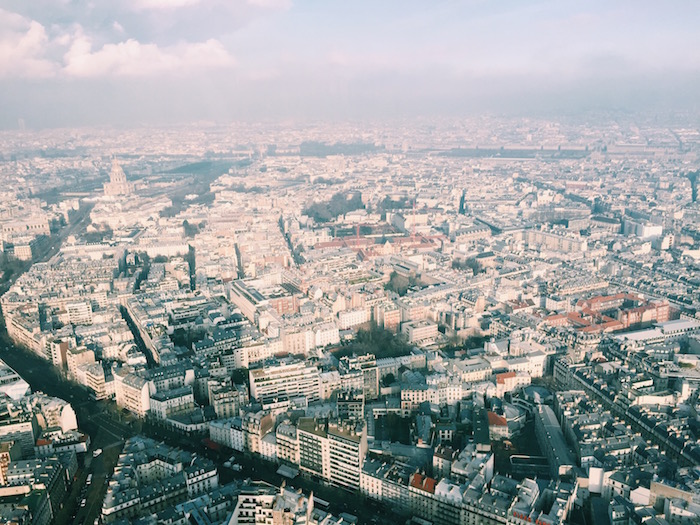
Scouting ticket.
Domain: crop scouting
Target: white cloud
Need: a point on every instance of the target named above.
(29, 50)
(230, 6)
(141, 5)
(162, 4)
(23, 46)
(271, 4)
(132, 58)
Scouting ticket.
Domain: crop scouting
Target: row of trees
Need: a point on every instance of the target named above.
(10, 269)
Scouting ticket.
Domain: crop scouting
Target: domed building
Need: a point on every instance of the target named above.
(118, 185)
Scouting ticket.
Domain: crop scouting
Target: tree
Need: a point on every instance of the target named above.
(388, 379)
(400, 284)
(11, 268)
(186, 336)
(390, 204)
(240, 376)
(471, 263)
(468, 344)
(339, 204)
(190, 229)
(397, 284)
(377, 341)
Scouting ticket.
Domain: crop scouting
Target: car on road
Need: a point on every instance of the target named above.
(89, 479)
(96, 452)
(82, 503)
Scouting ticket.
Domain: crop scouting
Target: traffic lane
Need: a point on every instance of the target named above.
(75, 495)
(116, 430)
(93, 501)
(102, 467)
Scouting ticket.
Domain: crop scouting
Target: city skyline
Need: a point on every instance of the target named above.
(454, 320)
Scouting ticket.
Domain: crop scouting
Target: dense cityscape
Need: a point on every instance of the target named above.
(483, 320)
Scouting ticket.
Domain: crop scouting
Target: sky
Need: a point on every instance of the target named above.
(70, 63)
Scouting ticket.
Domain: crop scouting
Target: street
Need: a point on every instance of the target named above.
(102, 421)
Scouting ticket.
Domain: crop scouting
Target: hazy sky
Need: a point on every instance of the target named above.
(65, 63)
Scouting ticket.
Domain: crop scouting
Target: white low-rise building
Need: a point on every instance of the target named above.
(228, 432)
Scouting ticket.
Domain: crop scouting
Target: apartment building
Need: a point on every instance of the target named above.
(284, 380)
(287, 443)
(150, 477)
(332, 450)
(229, 433)
(347, 447)
(419, 331)
(132, 392)
(367, 365)
(168, 403)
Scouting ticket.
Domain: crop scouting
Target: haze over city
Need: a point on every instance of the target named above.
(160, 61)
